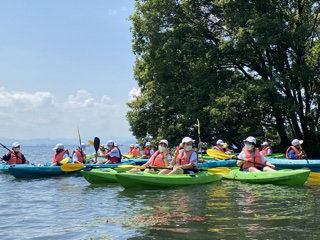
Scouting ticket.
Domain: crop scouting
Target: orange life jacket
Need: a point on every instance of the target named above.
(80, 155)
(147, 152)
(296, 150)
(157, 159)
(15, 158)
(131, 152)
(114, 159)
(255, 161)
(183, 157)
(136, 152)
(265, 151)
(57, 157)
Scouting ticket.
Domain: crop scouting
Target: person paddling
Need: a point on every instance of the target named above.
(161, 158)
(251, 158)
(219, 146)
(266, 149)
(79, 154)
(15, 156)
(60, 154)
(113, 154)
(148, 151)
(136, 151)
(186, 159)
(131, 150)
(295, 150)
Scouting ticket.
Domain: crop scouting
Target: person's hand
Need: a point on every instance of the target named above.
(272, 166)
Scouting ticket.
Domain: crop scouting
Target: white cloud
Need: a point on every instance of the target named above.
(134, 93)
(40, 115)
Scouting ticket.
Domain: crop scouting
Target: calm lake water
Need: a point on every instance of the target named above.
(70, 208)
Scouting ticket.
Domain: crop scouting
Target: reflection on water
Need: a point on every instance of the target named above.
(71, 208)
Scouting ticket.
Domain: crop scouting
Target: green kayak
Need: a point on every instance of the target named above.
(101, 176)
(280, 177)
(151, 181)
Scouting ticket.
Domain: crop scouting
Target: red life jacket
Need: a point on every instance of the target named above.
(131, 152)
(147, 152)
(183, 158)
(80, 155)
(255, 161)
(296, 150)
(265, 151)
(15, 158)
(113, 159)
(57, 157)
(157, 160)
(136, 152)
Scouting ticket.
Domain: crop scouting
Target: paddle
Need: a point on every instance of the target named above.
(10, 150)
(75, 167)
(199, 139)
(91, 142)
(96, 145)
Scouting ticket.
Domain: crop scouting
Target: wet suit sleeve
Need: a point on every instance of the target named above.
(6, 157)
(23, 159)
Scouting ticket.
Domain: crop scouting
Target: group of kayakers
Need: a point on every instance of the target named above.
(184, 160)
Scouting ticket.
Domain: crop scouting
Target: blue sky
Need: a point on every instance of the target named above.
(68, 62)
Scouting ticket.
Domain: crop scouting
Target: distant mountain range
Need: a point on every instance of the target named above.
(66, 141)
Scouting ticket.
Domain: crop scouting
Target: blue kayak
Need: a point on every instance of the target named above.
(31, 171)
(4, 167)
(218, 163)
(313, 165)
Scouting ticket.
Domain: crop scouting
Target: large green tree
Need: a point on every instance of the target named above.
(242, 67)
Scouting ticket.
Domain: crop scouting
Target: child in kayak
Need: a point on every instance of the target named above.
(186, 160)
(251, 158)
(295, 150)
(148, 151)
(266, 149)
(160, 158)
(60, 154)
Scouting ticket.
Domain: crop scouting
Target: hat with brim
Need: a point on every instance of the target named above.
(58, 146)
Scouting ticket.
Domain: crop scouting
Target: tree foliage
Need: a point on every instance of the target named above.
(242, 67)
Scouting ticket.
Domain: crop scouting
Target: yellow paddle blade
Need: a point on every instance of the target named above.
(219, 170)
(128, 155)
(198, 127)
(71, 167)
(314, 177)
(217, 154)
(65, 160)
(130, 166)
(91, 142)
(225, 145)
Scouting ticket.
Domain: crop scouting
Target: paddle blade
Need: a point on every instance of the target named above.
(91, 142)
(96, 143)
(130, 166)
(198, 127)
(128, 155)
(219, 170)
(65, 160)
(217, 154)
(71, 167)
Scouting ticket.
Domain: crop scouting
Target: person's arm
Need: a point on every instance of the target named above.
(265, 161)
(6, 157)
(241, 158)
(292, 154)
(24, 160)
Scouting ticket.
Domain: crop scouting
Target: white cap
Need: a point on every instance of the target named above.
(58, 146)
(265, 144)
(115, 144)
(137, 146)
(164, 141)
(148, 144)
(181, 145)
(219, 142)
(296, 142)
(187, 139)
(131, 145)
(110, 142)
(15, 144)
(251, 139)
